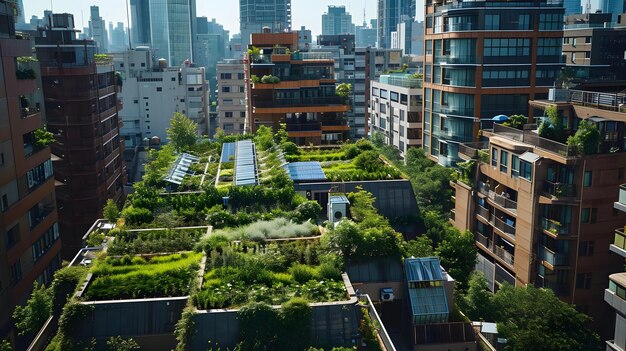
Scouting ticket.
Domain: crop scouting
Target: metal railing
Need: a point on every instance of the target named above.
(620, 239)
(310, 101)
(504, 255)
(405, 81)
(554, 227)
(505, 227)
(499, 199)
(483, 212)
(553, 258)
(312, 56)
(559, 189)
(487, 4)
(605, 101)
(382, 332)
(530, 137)
(471, 149)
(303, 127)
(485, 241)
(29, 111)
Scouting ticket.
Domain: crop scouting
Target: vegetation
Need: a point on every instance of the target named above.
(344, 90)
(110, 211)
(43, 137)
(254, 52)
(103, 59)
(139, 277)
(117, 343)
(552, 128)
(587, 138)
(270, 79)
(242, 272)
(516, 121)
(530, 318)
(153, 241)
(32, 316)
(369, 333)
(5, 345)
(279, 228)
(182, 133)
(458, 255)
(26, 59)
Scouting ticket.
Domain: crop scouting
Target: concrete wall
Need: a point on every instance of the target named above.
(332, 324)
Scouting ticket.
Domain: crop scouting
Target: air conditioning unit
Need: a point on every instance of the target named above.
(386, 294)
(337, 207)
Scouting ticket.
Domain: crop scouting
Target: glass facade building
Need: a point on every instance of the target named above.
(390, 14)
(483, 59)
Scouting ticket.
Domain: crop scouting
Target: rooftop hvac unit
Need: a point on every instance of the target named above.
(386, 294)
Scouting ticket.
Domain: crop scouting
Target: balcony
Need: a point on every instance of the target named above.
(484, 241)
(554, 227)
(304, 127)
(619, 243)
(38, 213)
(559, 190)
(506, 256)
(507, 227)
(457, 59)
(471, 151)
(532, 138)
(483, 212)
(552, 258)
(310, 101)
(499, 199)
(460, 27)
(26, 112)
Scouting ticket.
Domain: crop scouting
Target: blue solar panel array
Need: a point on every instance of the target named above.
(245, 163)
(228, 151)
(305, 171)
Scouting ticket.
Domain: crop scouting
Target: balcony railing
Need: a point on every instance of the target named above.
(483, 212)
(560, 189)
(303, 127)
(620, 239)
(311, 101)
(28, 111)
(471, 149)
(505, 227)
(530, 137)
(486, 242)
(553, 258)
(554, 227)
(487, 4)
(504, 255)
(499, 199)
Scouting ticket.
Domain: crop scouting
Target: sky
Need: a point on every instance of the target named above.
(226, 12)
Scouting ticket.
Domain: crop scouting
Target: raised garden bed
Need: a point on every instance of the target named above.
(116, 278)
(242, 272)
(132, 242)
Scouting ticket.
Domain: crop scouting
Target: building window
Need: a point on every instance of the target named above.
(242, 114)
(494, 157)
(584, 215)
(45, 242)
(241, 89)
(226, 76)
(525, 170)
(159, 89)
(587, 40)
(523, 22)
(12, 236)
(225, 89)
(583, 281)
(403, 99)
(39, 174)
(228, 114)
(383, 94)
(586, 248)
(227, 101)
(492, 22)
(429, 47)
(16, 272)
(240, 76)
(587, 178)
(549, 47)
(383, 107)
(402, 115)
(550, 21)
(504, 161)
(620, 291)
(374, 91)
(514, 166)
(173, 79)
(507, 47)
(394, 96)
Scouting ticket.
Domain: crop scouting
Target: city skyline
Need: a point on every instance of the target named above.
(227, 13)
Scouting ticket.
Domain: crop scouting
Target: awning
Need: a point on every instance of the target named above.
(529, 157)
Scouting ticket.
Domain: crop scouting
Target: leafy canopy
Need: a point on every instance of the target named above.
(183, 132)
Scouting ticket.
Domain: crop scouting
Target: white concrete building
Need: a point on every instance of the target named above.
(231, 97)
(396, 110)
(152, 93)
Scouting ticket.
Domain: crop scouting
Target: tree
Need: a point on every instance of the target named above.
(117, 343)
(476, 303)
(110, 211)
(264, 137)
(183, 132)
(369, 161)
(516, 121)
(31, 317)
(345, 237)
(421, 246)
(43, 137)
(586, 139)
(553, 127)
(458, 255)
(378, 138)
(535, 319)
(281, 136)
(290, 148)
(5, 345)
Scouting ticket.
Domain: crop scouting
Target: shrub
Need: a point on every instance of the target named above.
(137, 215)
(302, 273)
(290, 148)
(586, 139)
(308, 210)
(351, 151)
(295, 318)
(369, 161)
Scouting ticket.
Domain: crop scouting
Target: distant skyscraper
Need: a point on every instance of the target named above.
(614, 7)
(211, 42)
(98, 30)
(304, 38)
(390, 14)
(572, 7)
(256, 14)
(167, 26)
(20, 12)
(118, 37)
(337, 21)
(366, 36)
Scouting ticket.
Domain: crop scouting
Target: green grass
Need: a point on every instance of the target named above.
(137, 277)
(154, 241)
(274, 229)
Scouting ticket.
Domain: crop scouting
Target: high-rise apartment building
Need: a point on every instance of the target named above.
(304, 38)
(390, 14)
(396, 110)
(81, 103)
(541, 211)
(483, 60)
(366, 35)
(119, 37)
(97, 30)
(615, 295)
(29, 242)
(254, 15)
(295, 88)
(231, 96)
(211, 45)
(614, 7)
(337, 21)
(151, 94)
(168, 26)
(572, 7)
(593, 50)
(377, 62)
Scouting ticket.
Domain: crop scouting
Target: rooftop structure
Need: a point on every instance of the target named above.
(181, 168)
(305, 171)
(245, 163)
(427, 293)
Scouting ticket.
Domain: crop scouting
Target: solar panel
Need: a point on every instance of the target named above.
(228, 151)
(180, 168)
(245, 163)
(305, 171)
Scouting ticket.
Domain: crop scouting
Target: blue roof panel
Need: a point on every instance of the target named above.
(305, 171)
(228, 151)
